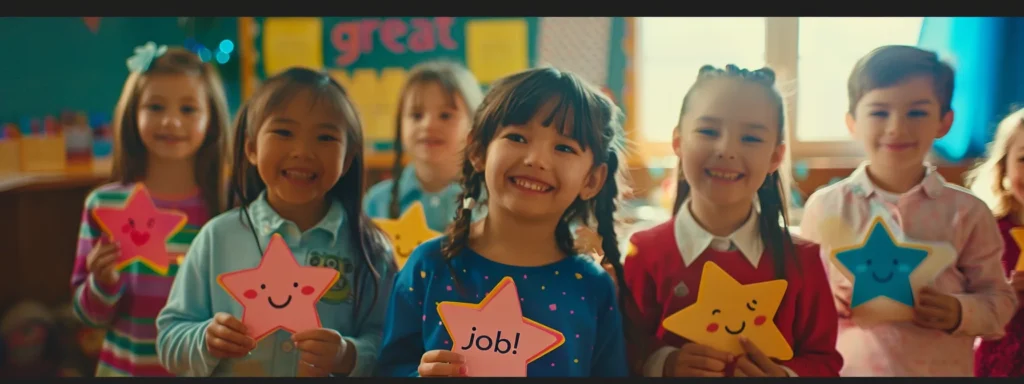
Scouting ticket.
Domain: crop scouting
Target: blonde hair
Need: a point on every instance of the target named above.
(986, 179)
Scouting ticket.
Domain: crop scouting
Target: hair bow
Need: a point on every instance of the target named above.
(144, 56)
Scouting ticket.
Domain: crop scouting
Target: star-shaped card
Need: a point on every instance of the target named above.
(493, 336)
(725, 310)
(279, 293)
(141, 229)
(407, 232)
(1018, 237)
(885, 269)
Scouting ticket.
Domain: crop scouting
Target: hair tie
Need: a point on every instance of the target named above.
(144, 56)
(468, 203)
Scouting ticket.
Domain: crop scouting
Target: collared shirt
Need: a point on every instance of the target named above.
(228, 244)
(693, 240)
(440, 207)
(934, 211)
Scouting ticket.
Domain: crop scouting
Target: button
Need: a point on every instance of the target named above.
(435, 201)
(266, 228)
(287, 346)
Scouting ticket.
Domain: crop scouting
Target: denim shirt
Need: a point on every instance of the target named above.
(226, 244)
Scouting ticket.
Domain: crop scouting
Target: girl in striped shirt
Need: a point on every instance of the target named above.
(169, 132)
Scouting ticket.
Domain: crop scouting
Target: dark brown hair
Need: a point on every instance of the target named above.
(890, 65)
(456, 81)
(129, 158)
(773, 222)
(596, 124)
(246, 184)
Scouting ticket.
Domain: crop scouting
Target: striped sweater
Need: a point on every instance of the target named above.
(128, 310)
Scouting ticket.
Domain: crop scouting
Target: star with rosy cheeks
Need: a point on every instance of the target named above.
(141, 229)
(493, 336)
(279, 293)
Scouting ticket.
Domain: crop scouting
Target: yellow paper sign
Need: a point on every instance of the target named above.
(726, 310)
(496, 48)
(407, 232)
(1018, 236)
(292, 42)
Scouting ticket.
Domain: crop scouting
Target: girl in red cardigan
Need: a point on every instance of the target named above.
(730, 143)
(999, 181)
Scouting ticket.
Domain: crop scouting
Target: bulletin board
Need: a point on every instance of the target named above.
(370, 56)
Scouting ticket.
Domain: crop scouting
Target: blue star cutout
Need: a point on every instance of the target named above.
(881, 267)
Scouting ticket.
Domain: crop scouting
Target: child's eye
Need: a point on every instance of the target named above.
(708, 132)
(515, 137)
(187, 109)
(752, 139)
(416, 115)
(565, 148)
(327, 138)
(155, 107)
(880, 114)
(446, 116)
(281, 132)
(917, 113)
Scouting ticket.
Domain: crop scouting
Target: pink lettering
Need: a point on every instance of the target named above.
(422, 37)
(392, 30)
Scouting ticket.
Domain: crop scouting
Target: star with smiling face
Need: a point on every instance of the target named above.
(725, 310)
(279, 293)
(881, 266)
(141, 229)
(407, 232)
(493, 336)
(1018, 237)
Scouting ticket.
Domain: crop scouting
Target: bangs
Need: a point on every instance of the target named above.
(570, 100)
(417, 85)
(322, 94)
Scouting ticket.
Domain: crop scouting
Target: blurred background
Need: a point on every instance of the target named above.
(62, 76)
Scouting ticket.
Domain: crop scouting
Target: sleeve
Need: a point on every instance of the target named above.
(610, 346)
(181, 325)
(811, 216)
(402, 345)
(377, 199)
(94, 303)
(367, 343)
(648, 354)
(988, 301)
(841, 287)
(816, 324)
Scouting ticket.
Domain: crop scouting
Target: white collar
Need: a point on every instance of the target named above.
(694, 239)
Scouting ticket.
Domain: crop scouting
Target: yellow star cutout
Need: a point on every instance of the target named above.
(726, 310)
(1018, 236)
(407, 232)
(630, 249)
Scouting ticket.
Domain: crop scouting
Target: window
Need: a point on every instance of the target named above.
(672, 49)
(812, 58)
(827, 49)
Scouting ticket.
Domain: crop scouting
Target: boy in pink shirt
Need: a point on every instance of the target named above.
(899, 104)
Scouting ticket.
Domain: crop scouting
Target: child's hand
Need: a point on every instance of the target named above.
(226, 338)
(102, 261)
(937, 310)
(441, 363)
(755, 363)
(695, 360)
(320, 351)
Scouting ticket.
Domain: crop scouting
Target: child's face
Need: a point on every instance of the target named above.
(173, 115)
(728, 141)
(536, 172)
(1015, 167)
(897, 125)
(433, 128)
(299, 150)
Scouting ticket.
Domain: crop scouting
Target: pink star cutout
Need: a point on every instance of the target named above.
(141, 229)
(493, 336)
(279, 293)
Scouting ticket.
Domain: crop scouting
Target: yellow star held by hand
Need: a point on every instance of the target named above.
(1018, 236)
(726, 310)
(407, 232)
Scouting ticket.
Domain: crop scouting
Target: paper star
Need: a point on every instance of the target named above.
(881, 266)
(1018, 237)
(407, 232)
(493, 336)
(279, 293)
(726, 310)
(141, 229)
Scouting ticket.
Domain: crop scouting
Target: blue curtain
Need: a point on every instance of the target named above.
(988, 56)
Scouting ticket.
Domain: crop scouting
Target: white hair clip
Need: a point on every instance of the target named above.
(144, 56)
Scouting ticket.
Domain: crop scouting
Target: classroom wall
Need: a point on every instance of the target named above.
(55, 63)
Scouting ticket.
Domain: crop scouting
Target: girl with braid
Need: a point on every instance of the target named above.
(545, 148)
(731, 212)
(435, 108)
